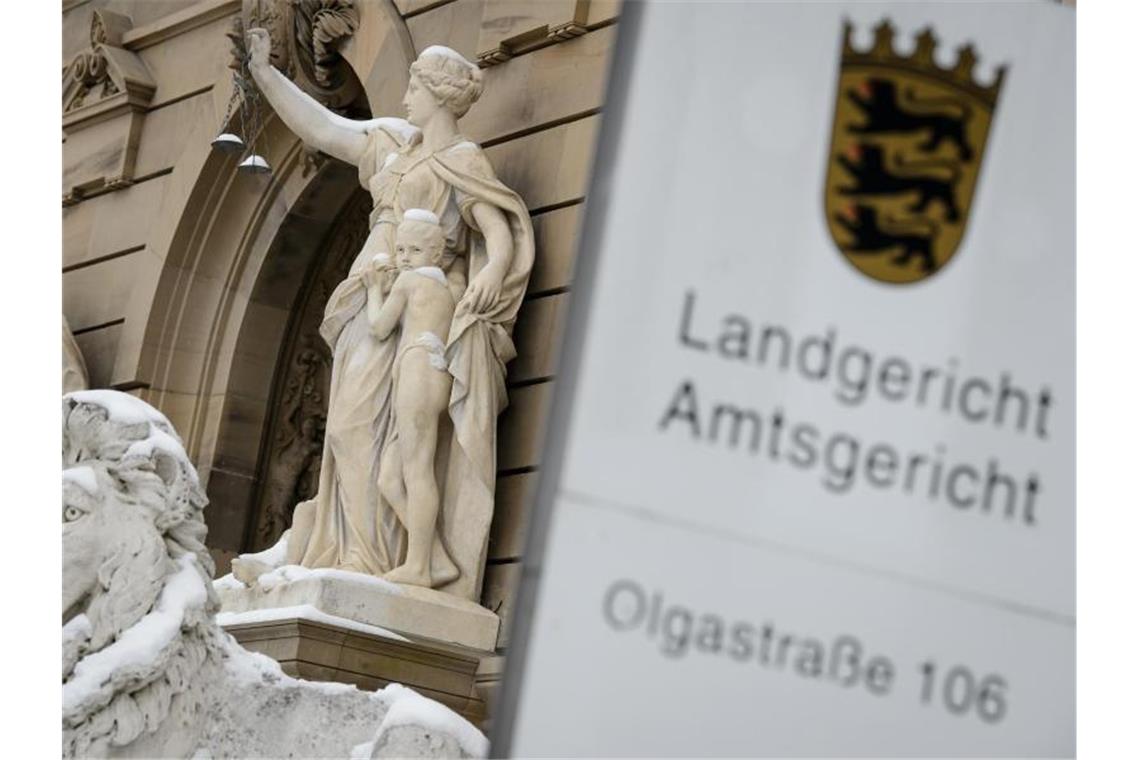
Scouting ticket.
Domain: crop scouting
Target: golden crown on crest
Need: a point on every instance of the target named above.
(921, 61)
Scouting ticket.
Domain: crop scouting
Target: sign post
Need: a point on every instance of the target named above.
(810, 487)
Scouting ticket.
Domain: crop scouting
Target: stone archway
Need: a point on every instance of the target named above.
(223, 310)
(219, 320)
(289, 456)
(314, 241)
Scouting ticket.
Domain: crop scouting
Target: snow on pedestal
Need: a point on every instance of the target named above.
(421, 613)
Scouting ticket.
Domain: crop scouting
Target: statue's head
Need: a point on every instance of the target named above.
(441, 78)
(419, 240)
(132, 507)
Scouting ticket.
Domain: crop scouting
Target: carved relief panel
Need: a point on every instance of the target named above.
(307, 36)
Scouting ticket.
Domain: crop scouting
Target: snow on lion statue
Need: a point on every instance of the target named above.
(147, 672)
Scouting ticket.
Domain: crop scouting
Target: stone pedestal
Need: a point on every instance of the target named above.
(330, 625)
(413, 611)
(487, 679)
(327, 652)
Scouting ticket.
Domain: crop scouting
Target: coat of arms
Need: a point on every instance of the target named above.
(906, 147)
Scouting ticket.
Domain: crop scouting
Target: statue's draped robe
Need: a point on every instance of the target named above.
(353, 528)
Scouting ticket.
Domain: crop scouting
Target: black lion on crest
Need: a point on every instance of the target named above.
(886, 113)
(868, 167)
(871, 237)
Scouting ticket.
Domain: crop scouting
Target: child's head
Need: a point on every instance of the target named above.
(419, 240)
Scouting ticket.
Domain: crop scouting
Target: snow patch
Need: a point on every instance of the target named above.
(256, 668)
(421, 215)
(302, 612)
(125, 409)
(446, 52)
(250, 667)
(409, 708)
(227, 581)
(291, 573)
(121, 407)
(79, 627)
(144, 641)
(432, 273)
(401, 127)
(82, 477)
(274, 556)
(362, 751)
(158, 440)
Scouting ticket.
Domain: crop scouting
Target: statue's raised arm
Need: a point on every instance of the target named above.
(365, 516)
(316, 125)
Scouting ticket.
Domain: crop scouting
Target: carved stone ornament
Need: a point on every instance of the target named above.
(148, 670)
(513, 27)
(307, 36)
(106, 90)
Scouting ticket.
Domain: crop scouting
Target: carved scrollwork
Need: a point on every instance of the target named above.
(306, 37)
(321, 27)
(105, 83)
(106, 69)
(89, 70)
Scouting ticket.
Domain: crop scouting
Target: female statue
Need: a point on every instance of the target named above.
(422, 162)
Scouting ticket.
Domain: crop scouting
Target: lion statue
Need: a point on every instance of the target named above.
(147, 672)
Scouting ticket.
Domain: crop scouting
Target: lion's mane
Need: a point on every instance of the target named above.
(139, 462)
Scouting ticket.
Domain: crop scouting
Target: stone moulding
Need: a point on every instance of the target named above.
(322, 651)
(179, 22)
(423, 613)
(106, 91)
(514, 27)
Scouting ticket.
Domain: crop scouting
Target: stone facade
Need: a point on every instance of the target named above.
(197, 288)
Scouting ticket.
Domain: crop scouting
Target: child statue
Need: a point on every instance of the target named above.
(420, 304)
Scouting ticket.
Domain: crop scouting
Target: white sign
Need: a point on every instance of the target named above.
(811, 486)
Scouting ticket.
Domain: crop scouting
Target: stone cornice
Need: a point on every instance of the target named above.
(180, 22)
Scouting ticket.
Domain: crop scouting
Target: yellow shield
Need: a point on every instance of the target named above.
(906, 148)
